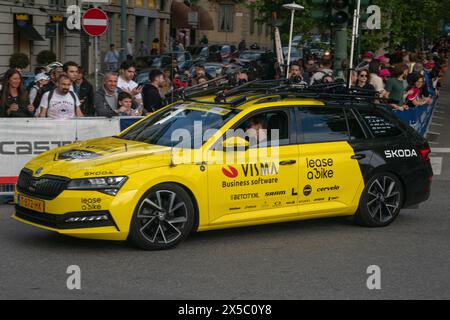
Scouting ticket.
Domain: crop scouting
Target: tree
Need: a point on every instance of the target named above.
(303, 22)
(19, 61)
(46, 57)
(408, 23)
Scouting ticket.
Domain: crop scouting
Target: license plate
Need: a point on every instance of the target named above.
(32, 204)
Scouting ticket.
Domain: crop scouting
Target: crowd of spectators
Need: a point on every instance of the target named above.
(61, 91)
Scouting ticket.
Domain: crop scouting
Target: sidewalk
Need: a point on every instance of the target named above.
(439, 134)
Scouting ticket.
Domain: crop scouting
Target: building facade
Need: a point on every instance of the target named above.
(23, 26)
(222, 21)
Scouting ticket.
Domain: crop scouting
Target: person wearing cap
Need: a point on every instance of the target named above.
(367, 56)
(384, 61)
(384, 74)
(40, 80)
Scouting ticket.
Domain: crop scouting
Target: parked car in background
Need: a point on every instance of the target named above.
(218, 53)
(296, 54)
(213, 69)
(195, 52)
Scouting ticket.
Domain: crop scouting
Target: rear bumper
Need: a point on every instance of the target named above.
(418, 186)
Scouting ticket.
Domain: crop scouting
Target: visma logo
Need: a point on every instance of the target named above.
(230, 172)
(251, 170)
(262, 169)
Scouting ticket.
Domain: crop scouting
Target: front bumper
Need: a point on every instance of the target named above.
(73, 220)
(82, 214)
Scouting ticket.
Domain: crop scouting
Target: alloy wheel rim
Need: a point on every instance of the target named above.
(384, 199)
(162, 217)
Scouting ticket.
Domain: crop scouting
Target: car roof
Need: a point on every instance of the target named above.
(261, 101)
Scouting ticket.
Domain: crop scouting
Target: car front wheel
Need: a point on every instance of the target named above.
(163, 218)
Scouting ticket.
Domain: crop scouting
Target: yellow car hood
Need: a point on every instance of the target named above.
(100, 157)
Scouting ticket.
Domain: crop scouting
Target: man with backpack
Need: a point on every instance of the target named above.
(60, 103)
(325, 70)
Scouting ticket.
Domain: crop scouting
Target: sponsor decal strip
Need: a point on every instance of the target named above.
(8, 180)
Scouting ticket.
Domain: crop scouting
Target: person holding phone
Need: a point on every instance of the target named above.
(14, 101)
(126, 83)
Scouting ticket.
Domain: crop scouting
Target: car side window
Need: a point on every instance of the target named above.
(266, 128)
(354, 127)
(322, 124)
(378, 124)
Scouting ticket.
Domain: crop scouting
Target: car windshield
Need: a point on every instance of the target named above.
(250, 55)
(181, 125)
(225, 50)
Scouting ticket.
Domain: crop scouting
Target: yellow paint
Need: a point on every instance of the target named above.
(240, 192)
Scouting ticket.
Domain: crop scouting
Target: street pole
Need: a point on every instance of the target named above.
(290, 44)
(57, 41)
(355, 33)
(96, 62)
(293, 7)
(123, 29)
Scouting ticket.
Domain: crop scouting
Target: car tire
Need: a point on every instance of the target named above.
(163, 218)
(381, 201)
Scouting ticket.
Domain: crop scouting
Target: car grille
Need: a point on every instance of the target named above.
(46, 187)
(61, 222)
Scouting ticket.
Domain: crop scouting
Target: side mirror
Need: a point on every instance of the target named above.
(235, 143)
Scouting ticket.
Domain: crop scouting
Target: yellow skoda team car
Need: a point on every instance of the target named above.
(157, 181)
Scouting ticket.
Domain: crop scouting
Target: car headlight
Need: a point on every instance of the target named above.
(108, 185)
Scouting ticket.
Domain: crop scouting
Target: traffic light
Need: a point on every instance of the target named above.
(340, 12)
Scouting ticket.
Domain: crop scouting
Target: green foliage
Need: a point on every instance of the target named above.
(408, 23)
(403, 22)
(46, 57)
(303, 22)
(19, 60)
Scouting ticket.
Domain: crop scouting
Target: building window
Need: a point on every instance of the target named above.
(57, 3)
(151, 4)
(226, 18)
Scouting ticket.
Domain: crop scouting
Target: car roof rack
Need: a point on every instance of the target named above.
(338, 92)
(330, 92)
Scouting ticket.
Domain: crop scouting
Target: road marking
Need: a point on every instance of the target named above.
(439, 118)
(436, 164)
(436, 124)
(440, 150)
(438, 111)
(434, 133)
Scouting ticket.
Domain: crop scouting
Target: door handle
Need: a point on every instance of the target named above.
(287, 162)
(358, 156)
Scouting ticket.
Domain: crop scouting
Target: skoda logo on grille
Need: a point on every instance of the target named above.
(38, 171)
(32, 186)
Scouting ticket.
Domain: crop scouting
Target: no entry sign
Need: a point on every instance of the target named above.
(95, 22)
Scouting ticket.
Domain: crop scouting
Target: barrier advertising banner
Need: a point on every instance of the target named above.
(23, 139)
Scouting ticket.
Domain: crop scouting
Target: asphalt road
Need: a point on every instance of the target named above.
(321, 259)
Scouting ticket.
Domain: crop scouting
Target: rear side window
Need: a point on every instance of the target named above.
(321, 124)
(379, 124)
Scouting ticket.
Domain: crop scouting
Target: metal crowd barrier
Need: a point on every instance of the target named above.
(419, 118)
